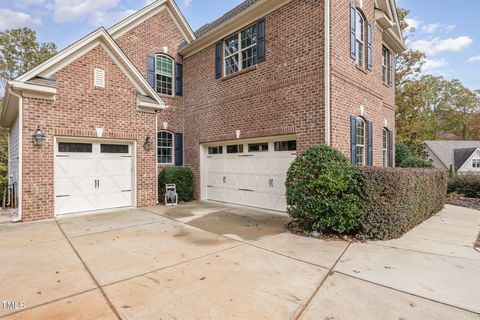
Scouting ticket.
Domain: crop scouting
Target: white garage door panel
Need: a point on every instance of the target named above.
(93, 181)
(253, 179)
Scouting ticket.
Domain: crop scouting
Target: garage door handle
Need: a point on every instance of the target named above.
(248, 190)
(63, 196)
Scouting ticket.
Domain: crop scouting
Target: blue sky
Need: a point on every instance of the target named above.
(444, 29)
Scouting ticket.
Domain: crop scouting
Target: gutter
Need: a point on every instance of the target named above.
(327, 71)
(20, 154)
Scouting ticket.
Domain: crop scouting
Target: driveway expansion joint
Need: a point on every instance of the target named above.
(92, 276)
(330, 273)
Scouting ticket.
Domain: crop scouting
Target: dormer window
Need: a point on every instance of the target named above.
(476, 163)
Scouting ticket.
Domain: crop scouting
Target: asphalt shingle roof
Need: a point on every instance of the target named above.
(445, 150)
(227, 16)
(460, 156)
(45, 82)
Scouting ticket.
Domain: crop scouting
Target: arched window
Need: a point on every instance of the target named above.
(164, 74)
(359, 38)
(385, 147)
(165, 147)
(360, 137)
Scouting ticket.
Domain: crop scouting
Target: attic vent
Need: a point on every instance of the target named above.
(99, 78)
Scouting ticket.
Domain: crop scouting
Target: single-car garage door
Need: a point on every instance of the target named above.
(93, 176)
(249, 173)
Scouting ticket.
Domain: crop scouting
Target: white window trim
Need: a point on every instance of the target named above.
(238, 53)
(362, 145)
(387, 66)
(172, 147)
(385, 143)
(173, 75)
(362, 41)
(473, 163)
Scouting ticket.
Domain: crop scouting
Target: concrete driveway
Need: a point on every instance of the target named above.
(212, 261)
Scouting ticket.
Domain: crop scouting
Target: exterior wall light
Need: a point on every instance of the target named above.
(38, 137)
(148, 143)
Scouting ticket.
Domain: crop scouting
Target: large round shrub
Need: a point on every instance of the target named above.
(323, 192)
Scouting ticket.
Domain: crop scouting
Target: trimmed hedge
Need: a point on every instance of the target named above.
(397, 200)
(323, 192)
(182, 177)
(467, 185)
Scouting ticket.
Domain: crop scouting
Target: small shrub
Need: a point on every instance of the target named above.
(466, 185)
(323, 192)
(182, 177)
(416, 162)
(397, 200)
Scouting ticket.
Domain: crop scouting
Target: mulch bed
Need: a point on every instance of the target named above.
(471, 203)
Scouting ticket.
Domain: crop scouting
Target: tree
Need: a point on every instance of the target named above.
(20, 51)
(430, 107)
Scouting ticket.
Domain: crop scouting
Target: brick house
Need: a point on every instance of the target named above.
(236, 101)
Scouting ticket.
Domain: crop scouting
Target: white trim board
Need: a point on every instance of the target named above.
(83, 46)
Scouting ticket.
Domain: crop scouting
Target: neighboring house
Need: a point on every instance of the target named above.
(461, 156)
(236, 101)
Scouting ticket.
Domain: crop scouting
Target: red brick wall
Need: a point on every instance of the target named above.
(352, 87)
(284, 94)
(149, 38)
(78, 109)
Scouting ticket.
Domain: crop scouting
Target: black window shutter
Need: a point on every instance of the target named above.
(353, 137)
(179, 149)
(179, 79)
(390, 68)
(151, 71)
(390, 148)
(353, 31)
(261, 40)
(370, 46)
(370, 143)
(218, 59)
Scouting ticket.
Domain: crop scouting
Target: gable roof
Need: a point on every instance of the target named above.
(393, 34)
(40, 75)
(445, 150)
(462, 155)
(149, 11)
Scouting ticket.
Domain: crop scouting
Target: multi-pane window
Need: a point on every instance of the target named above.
(385, 65)
(237, 148)
(360, 149)
(164, 75)
(385, 147)
(476, 163)
(215, 150)
(240, 50)
(286, 145)
(165, 147)
(258, 147)
(359, 39)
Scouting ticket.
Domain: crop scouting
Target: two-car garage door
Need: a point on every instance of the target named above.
(249, 173)
(92, 176)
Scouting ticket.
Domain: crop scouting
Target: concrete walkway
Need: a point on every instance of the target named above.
(212, 261)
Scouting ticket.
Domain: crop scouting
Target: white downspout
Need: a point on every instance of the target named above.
(327, 70)
(20, 154)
